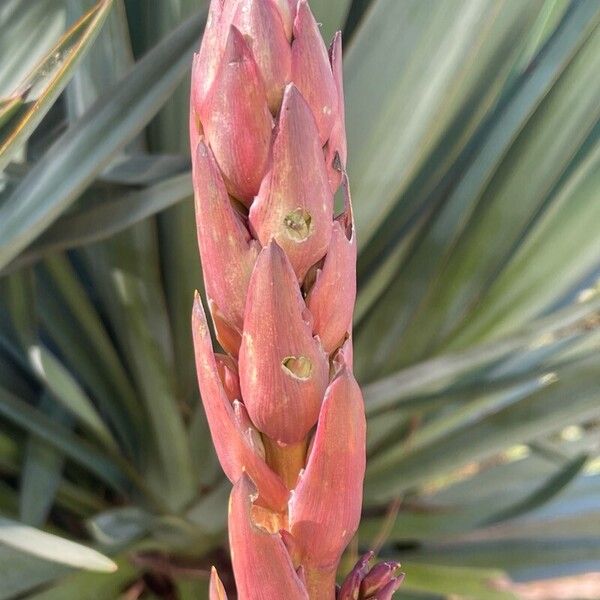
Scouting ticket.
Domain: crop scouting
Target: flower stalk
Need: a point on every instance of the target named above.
(285, 413)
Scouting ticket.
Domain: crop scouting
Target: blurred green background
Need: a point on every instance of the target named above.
(474, 143)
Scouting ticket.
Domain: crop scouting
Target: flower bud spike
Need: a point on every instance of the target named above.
(234, 452)
(262, 567)
(311, 70)
(237, 121)
(295, 204)
(228, 252)
(323, 520)
(261, 24)
(283, 370)
(285, 413)
(216, 591)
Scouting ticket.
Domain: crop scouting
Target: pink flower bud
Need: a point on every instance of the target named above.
(235, 453)
(322, 518)
(311, 70)
(236, 119)
(337, 152)
(216, 591)
(207, 61)
(295, 203)
(262, 567)
(287, 10)
(261, 24)
(283, 370)
(331, 298)
(227, 250)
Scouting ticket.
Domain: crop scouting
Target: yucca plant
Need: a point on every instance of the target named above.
(472, 131)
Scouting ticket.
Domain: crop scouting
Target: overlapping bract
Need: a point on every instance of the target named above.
(268, 151)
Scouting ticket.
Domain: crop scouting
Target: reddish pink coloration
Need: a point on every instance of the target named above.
(286, 415)
(287, 10)
(337, 152)
(322, 519)
(227, 368)
(216, 591)
(261, 24)
(235, 454)
(228, 252)
(237, 121)
(311, 70)
(331, 299)
(279, 357)
(294, 204)
(257, 555)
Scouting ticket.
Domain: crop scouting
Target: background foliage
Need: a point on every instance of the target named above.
(474, 157)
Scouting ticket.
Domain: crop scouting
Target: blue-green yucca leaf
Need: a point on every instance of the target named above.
(535, 278)
(180, 264)
(41, 471)
(88, 146)
(127, 270)
(27, 32)
(535, 415)
(441, 580)
(43, 86)
(462, 503)
(522, 188)
(524, 558)
(89, 224)
(75, 586)
(550, 488)
(463, 243)
(51, 547)
(519, 354)
(22, 414)
(21, 572)
(427, 69)
(380, 260)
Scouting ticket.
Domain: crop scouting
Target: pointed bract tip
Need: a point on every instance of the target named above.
(216, 591)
